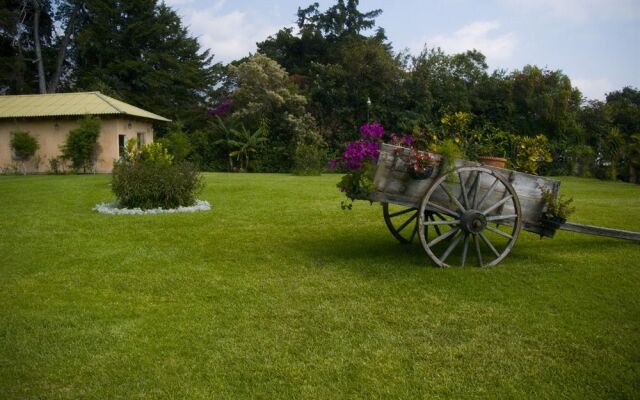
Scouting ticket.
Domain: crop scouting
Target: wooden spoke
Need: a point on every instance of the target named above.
(465, 249)
(444, 187)
(440, 216)
(487, 194)
(443, 210)
(465, 198)
(498, 231)
(396, 224)
(442, 237)
(443, 222)
(478, 252)
(452, 246)
(498, 204)
(486, 241)
(436, 227)
(474, 188)
(413, 234)
(407, 222)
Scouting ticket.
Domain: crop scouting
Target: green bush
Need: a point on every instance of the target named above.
(24, 146)
(309, 160)
(81, 143)
(177, 142)
(148, 178)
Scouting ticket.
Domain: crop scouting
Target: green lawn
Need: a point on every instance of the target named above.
(278, 293)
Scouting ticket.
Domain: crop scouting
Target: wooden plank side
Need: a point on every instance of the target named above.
(528, 187)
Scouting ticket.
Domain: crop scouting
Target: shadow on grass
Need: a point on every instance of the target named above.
(374, 252)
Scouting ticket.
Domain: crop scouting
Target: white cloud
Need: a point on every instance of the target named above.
(477, 35)
(594, 89)
(580, 10)
(174, 3)
(229, 35)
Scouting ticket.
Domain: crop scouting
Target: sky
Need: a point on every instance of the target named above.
(595, 42)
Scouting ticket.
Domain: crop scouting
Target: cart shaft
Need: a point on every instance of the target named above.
(597, 230)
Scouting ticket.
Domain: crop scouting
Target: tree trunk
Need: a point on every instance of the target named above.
(62, 50)
(36, 40)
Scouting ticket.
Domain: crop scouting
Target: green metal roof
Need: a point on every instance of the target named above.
(61, 104)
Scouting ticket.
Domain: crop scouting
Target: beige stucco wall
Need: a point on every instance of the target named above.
(51, 134)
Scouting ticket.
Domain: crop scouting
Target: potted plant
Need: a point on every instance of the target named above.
(422, 164)
(492, 148)
(555, 212)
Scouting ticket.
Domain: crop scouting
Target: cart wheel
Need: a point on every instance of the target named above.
(403, 223)
(477, 205)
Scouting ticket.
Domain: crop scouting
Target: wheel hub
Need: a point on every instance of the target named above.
(473, 221)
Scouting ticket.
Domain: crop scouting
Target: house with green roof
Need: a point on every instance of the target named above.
(50, 117)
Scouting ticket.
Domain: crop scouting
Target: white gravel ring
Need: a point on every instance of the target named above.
(112, 209)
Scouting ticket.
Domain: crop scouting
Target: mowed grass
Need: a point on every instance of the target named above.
(278, 293)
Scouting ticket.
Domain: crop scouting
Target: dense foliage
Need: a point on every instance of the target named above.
(24, 145)
(80, 146)
(148, 178)
(312, 85)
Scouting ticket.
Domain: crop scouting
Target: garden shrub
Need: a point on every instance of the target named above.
(177, 142)
(81, 144)
(148, 178)
(308, 159)
(531, 153)
(24, 146)
(56, 165)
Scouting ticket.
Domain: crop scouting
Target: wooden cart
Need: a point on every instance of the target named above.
(472, 205)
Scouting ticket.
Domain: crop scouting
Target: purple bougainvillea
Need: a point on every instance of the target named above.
(360, 151)
(221, 109)
(372, 131)
(367, 148)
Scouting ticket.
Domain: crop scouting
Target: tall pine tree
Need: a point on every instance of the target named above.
(139, 51)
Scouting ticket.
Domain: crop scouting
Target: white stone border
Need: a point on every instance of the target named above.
(112, 209)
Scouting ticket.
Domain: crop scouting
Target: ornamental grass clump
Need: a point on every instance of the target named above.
(146, 177)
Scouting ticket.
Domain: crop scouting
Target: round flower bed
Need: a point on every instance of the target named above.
(113, 209)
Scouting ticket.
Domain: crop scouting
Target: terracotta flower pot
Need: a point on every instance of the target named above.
(493, 161)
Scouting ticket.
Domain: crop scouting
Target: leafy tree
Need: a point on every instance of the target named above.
(24, 147)
(450, 80)
(335, 65)
(35, 39)
(612, 149)
(81, 144)
(263, 92)
(634, 158)
(544, 101)
(365, 69)
(177, 142)
(140, 52)
(245, 143)
(623, 107)
(595, 121)
(339, 20)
